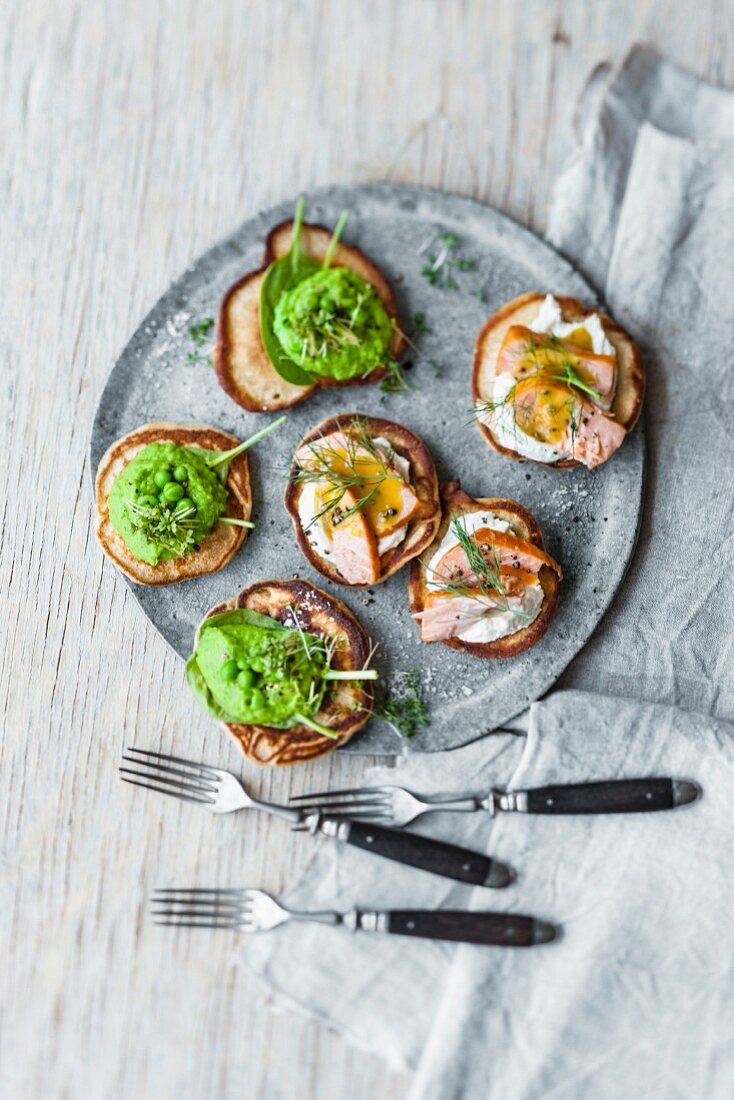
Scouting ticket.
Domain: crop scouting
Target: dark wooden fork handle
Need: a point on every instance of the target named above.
(498, 929)
(612, 796)
(435, 856)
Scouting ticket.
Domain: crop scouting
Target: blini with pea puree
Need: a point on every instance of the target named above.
(223, 541)
(243, 367)
(347, 705)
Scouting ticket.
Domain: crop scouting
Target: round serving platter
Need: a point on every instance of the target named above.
(589, 519)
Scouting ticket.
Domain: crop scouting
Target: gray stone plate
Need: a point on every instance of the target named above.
(589, 520)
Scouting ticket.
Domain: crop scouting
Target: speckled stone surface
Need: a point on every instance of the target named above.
(589, 519)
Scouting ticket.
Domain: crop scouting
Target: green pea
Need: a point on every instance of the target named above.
(162, 477)
(242, 664)
(228, 671)
(184, 503)
(172, 492)
(149, 501)
(246, 678)
(180, 473)
(257, 700)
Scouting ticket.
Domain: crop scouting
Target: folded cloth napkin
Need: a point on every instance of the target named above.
(633, 1001)
(646, 211)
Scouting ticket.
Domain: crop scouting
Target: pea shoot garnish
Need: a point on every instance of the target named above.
(403, 707)
(394, 381)
(443, 261)
(200, 333)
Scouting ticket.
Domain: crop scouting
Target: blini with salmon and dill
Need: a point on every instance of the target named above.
(550, 398)
(486, 586)
(363, 496)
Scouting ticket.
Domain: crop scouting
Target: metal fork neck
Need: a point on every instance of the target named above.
(284, 812)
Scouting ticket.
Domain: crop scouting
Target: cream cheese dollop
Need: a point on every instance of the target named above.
(499, 622)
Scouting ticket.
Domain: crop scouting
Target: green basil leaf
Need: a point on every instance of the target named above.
(200, 690)
(280, 277)
(283, 275)
(242, 616)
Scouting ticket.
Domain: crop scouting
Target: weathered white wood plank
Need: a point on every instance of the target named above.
(134, 134)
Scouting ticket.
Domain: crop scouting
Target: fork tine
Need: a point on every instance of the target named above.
(344, 806)
(202, 914)
(166, 790)
(198, 890)
(322, 796)
(178, 784)
(204, 781)
(198, 924)
(213, 772)
(359, 815)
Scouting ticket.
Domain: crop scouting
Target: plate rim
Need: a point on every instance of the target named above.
(269, 216)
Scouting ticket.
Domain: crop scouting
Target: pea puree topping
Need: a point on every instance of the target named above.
(270, 677)
(334, 324)
(165, 501)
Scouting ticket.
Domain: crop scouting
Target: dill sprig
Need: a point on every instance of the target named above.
(486, 570)
(403, 707)
(341, 470)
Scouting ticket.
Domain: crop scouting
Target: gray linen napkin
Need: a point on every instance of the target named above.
(633, 1001)
(646, 211)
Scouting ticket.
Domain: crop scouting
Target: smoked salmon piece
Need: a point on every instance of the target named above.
(444, 617)
(497, 548)
(354, 547)
(524, 353)
(595, 437)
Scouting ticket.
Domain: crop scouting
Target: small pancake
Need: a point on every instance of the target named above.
(420, 529)
(219, 546)
(457, 502)
(242, 364)
(347, 705)
(630, 390)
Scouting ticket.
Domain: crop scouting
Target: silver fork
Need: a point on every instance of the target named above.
(249, 911)
(214, 789)
(221, 792)
(396, 806)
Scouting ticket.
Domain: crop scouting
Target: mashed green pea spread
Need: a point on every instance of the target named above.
(165, 501)
(270, 677)
(334, 324)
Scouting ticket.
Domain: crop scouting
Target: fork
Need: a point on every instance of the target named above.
(255, 911)
(396, 806)
(220, 792)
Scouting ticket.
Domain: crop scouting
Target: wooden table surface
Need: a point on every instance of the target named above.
(135, 133)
